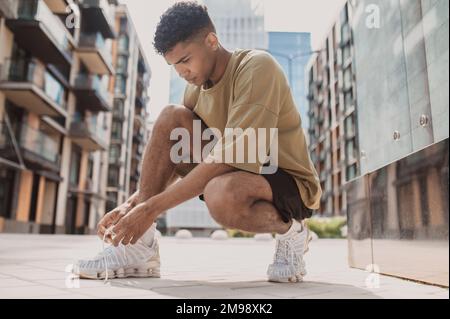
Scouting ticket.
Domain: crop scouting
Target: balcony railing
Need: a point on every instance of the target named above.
(33, 141)
(39, 143)
(29, 71)
(93, 83)
(95, 41)
(88, 129)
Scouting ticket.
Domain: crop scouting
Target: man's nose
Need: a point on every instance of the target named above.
(182, 72)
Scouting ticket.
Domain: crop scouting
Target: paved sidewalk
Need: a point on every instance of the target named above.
(34, 266)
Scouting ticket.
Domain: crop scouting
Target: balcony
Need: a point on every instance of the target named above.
(29, 85)
(141, 102)
(136, 158)
(118, 113)
(38, 150)
(94, 54)
(123, 44)
(323, 175)
(115, 161)
(88, 135)
(41, 33)
(91, 94)
(97, 16)
(345, 35)
(140, 116)
(134, 177)
(138, 135)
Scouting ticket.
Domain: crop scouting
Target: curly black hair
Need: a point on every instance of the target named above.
(181, 22)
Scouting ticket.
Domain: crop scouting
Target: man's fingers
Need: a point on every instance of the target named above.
(134, 240)
(127, 239)
(101, 231)
(120, 233)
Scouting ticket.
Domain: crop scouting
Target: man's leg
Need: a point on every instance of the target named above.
(242, 200)
(158, 170)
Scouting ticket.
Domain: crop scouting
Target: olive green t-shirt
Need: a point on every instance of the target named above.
(254, 93)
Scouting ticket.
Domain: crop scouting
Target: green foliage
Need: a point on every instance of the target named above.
(327, 227)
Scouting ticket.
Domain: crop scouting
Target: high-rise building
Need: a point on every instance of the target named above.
(239, 23)
(293, 51)
(56, 97)
(332, 115)
(130, 113)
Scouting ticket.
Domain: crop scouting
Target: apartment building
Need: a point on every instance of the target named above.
(130, 111)
(57, 99)
(330, 76)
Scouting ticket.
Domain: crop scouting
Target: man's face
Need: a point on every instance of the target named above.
(193, 61)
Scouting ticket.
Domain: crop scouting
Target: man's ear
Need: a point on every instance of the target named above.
(212, 41)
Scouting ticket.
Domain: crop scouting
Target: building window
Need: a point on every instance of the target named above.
(346, 54)
(350, 149)
(351, 172)
(348, 99)
(118, 107)
(123, 43)
(111, 202)
(120, 85)
(90, 166)
(114, 153)
(75, 161)
(347, 79)
(123, 25)
(116, 130)
(113, 177)
(122, 64)
(349, 126)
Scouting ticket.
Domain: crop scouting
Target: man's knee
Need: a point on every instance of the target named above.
(225, 201)
(174, 116)
(182, 169)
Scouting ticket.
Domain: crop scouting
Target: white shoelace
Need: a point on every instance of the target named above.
(105, 260)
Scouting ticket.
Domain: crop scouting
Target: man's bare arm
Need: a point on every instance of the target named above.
(132, 226)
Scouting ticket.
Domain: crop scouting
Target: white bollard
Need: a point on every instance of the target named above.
(219, 235)
(183, 234)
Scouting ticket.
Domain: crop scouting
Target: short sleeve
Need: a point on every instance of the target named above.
(190, 96)
(251, 128)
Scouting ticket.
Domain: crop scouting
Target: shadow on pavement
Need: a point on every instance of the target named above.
(243, 289)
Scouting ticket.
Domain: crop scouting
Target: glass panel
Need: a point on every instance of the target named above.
(55, 90)
(39, 143)
(96, 40)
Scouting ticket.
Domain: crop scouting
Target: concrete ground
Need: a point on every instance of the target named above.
(37, 266)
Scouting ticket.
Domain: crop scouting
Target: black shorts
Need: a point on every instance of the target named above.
(286, 197)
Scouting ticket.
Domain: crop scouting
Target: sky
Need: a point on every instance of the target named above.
(315, 16)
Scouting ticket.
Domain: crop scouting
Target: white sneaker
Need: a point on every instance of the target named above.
(288, 264)
(138, 260)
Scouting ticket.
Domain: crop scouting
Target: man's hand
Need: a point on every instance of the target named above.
(112, 218)
(132, 226)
